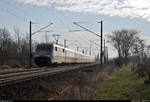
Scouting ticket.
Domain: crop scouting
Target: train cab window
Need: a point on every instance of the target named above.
(43, 47)
(63, 50)
(55, 48)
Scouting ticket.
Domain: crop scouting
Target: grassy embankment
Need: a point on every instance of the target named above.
(123, 84)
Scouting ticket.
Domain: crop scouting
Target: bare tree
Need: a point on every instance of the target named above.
(141, 51)
(13, 49)
(115, 38)
(138, 49)
(141, 54)
(18, 39)
(5, 42)
(123, 40)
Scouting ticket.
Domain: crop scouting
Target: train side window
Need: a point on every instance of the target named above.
(63, 50)
(55, 48)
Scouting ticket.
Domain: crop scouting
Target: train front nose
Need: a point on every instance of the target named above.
(42, 58)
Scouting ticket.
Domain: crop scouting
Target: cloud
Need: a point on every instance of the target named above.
(122, 8)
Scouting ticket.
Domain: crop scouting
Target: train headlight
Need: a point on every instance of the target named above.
(48, 55)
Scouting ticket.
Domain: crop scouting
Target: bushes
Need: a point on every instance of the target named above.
(143, 70)
(120, 61)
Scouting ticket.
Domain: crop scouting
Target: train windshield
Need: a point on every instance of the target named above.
(43, 47)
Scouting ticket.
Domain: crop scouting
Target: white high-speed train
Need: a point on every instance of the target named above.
(48, 53)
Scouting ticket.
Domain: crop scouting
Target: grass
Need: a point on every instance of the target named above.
(123, 84)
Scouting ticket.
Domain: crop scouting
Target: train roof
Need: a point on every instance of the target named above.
(59, 46)
(72, 50)
(41, 44)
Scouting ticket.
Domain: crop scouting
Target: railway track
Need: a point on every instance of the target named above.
(28, 74)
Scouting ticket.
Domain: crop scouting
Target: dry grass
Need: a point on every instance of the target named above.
(83, 86)
(74, 85)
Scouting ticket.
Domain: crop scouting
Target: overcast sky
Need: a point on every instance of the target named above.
(116, 14)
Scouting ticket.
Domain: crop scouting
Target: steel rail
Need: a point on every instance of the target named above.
(20, 70)
(20, 73)
(23, 70)
(19, 77)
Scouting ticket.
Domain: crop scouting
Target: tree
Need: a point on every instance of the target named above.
(138, 49)
(18, 39)
(141, 51)
(123, 40)
(5, 43)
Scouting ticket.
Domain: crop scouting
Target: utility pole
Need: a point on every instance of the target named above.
(104, 52)
(90, 48)
(56, 36)
(30, 55)
(30, 40)
(77, 48)
(101, 37)
(107, 54)
(46, 37)
(65, 43)
(101, 42)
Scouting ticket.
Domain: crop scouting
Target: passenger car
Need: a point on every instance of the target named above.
(49, 53)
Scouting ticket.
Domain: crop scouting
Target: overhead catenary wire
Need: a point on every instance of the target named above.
(13, 14)
(42, 28)
(55, 16)
(18, 9)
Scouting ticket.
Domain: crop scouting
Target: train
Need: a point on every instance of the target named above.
(49, 53)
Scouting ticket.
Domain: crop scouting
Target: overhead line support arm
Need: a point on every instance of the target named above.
(86, 29)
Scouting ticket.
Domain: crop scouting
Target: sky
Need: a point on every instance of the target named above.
(115, 14)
